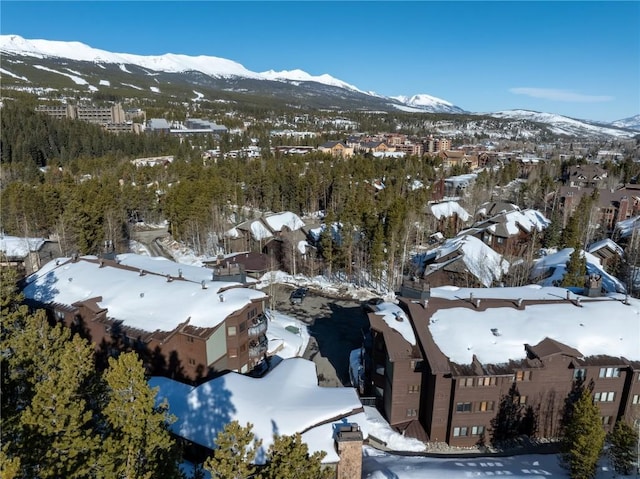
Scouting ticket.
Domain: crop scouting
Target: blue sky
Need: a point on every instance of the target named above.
(580, 59)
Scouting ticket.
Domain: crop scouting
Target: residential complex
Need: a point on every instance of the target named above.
(438, 368)
(180, 318)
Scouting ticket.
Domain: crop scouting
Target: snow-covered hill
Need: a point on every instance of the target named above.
(633, 123)
(424, 102)
(562, 125)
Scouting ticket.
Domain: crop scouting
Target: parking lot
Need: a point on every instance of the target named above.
(335, 327)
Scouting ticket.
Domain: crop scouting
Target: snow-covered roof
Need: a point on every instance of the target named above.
(396, 319)
(605, 326)
(482, 261)
(277, 221)
(315, 233)
(557, 263)
(163, 266)
(147, 302)
(259, 231)
(16, 247)
(607, 242)
(625, 228)
(509, 223)
(287, 400)
(447, 209)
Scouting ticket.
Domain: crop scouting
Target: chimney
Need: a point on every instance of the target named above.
(568, 294)
(142, 272)
(221, 298)
(623, 210)
(519, 302)
(101, 263)
(203, 284)
(348, 440)
(169, 278)
(180, 273)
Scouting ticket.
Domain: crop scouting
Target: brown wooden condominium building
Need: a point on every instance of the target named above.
(182, 322)
(438, 368)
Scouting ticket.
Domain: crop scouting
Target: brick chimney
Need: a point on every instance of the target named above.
(348, 438)
(623, 210)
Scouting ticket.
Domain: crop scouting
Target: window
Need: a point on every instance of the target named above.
(192, 362)
(243, 348)
(485, 406)
(412, 412)
(233, 352)
(523, 399)
(604, 397)
(580, 374)
(231, 331)
(490, 381)
(463, 407)
(243, 326)
(460, 431)
(500, 240)
(636, 399)
(189, 339)
(606, 420)
(523, 375)
(609, 372)
(413, 388)
(59, 314)
(466, 382)
(477, 430)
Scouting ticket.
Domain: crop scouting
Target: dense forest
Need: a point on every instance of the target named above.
(76, 182)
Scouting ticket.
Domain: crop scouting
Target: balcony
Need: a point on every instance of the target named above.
(258, 325)
(258, 347)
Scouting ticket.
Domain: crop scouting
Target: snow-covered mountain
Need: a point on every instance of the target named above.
(562, 125)
(213, 67)
(424, 102)
(73, 69)
(633, 123)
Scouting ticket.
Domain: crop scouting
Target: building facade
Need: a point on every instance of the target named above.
(425, 393)
(181, 325)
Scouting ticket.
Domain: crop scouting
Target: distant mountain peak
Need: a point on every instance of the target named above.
(424, 102)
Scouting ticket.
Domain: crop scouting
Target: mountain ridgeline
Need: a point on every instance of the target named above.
(62, 70)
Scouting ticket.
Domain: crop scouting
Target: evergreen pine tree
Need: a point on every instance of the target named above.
(583, 438)
(138, 444)
(57, 423)
(288, 458)
(235, 453)
(576, 270)
(623, 441)
(506, 424)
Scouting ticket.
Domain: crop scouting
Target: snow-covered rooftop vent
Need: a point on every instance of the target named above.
(398, 316)
(496, 332)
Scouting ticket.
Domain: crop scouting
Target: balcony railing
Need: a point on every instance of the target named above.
(258, 326)
(258, 347)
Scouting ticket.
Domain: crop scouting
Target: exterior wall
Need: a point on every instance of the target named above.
(632, 409)
(403, 392)
(435, 406)
(473, 405)
(610, 408)
(245, 337)
(184, 355)
(216, 345)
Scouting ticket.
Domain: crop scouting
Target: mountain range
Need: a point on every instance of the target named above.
(71, 67)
